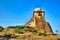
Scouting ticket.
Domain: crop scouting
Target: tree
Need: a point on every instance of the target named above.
(1, 28)
(11, 27)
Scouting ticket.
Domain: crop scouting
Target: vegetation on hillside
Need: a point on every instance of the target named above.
(21, 30)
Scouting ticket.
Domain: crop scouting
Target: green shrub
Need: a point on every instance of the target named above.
(34, 31)
(39, 33)
(7, 34)
(18, 30)
(20, 27)
(11, 27)
(21, 32)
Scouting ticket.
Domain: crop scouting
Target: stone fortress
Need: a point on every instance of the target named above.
(38, 21)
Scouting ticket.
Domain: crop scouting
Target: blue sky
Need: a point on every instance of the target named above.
(18, 12)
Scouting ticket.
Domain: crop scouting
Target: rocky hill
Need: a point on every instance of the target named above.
(36, 29)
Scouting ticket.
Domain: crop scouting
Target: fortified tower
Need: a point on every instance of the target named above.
(39, 14)
(38, 21)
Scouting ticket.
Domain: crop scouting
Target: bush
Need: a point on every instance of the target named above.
(7, 34)
(34, 31)
(39, 33)
(20, 27)
(20, 31)
(45, 33)
(11, 27)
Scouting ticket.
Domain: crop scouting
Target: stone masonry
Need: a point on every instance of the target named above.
(38, 21)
